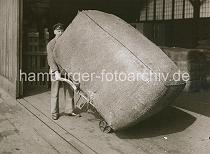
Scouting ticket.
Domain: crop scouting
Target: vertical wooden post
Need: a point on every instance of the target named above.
(154, 13)
(20, 51)
(9, 46)
(173, 24)
(173, 9)
(146, 9)
(196, 15)
(163, 10)
(183, 11)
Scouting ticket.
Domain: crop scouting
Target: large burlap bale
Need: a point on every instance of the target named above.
(95, 41)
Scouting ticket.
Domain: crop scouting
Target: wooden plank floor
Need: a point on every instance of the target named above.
(84, 129)
(177, 129)
(22, 132)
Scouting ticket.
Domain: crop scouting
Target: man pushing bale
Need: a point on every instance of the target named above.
(55, 71)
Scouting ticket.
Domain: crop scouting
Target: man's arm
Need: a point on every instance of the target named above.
(50, 58)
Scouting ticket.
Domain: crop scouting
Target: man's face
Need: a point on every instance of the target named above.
(58, 32)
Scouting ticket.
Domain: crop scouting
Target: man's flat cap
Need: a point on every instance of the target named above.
(58, 26)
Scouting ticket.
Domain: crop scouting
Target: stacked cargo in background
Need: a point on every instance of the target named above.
(205, 45)
(192, 61)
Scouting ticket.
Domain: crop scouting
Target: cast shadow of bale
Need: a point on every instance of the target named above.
(196, 102)
(168, 121)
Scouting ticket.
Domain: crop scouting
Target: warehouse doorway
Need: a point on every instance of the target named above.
(35, 38)
(38, 19)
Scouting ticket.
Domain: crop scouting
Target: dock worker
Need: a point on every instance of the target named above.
(55, 76)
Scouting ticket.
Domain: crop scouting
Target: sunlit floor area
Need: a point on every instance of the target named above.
(181, 128)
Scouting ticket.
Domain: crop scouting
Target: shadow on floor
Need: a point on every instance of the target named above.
(197, 102)
(170, 120)
(35, 91)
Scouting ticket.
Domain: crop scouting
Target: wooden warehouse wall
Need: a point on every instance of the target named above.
(9, 45)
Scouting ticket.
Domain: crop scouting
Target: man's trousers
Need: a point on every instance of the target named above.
(68, 97)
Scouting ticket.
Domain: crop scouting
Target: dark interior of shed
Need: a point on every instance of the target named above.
(45, 13)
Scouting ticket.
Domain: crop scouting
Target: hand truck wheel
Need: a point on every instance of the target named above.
(104, 127)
